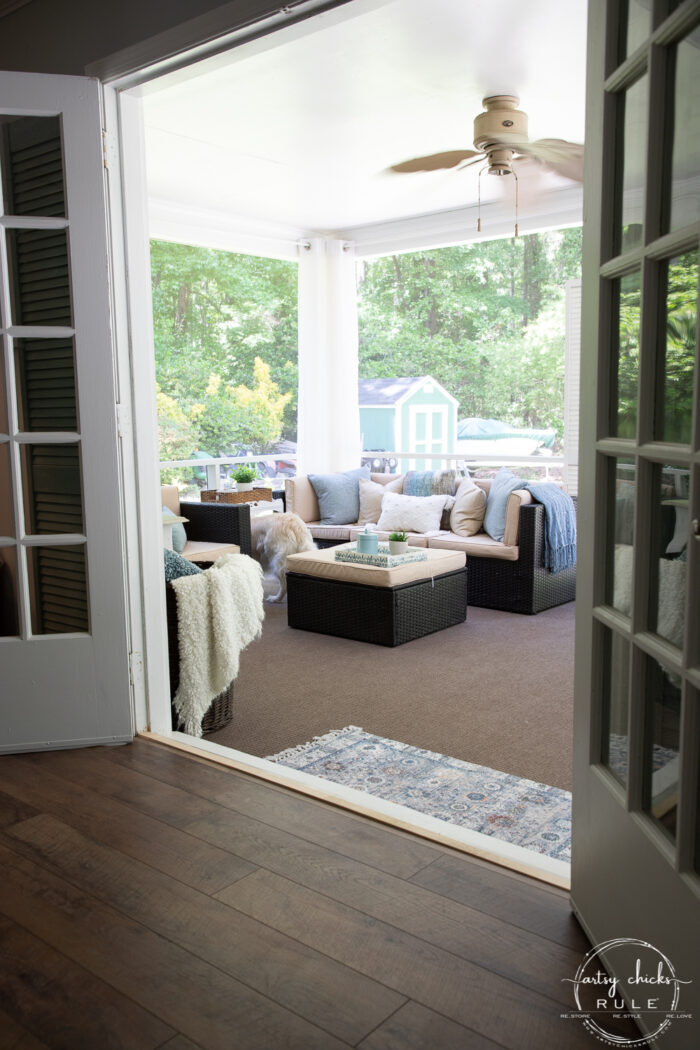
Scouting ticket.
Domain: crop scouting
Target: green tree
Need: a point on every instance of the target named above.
(231, 416)
(485, 319)
(215, 312)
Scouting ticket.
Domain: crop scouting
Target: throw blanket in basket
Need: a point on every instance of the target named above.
(219, 612)
(560, 525)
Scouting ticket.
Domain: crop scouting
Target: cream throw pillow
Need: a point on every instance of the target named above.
(467, 516)
(371, 495)
(412, 513)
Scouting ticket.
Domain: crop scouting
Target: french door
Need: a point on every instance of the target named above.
(63, 642)
(636, 846)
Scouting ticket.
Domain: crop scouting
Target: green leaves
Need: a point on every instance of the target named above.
(484, 319)
(217, 314)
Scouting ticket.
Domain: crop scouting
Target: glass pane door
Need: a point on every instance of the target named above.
(637, 761)
(60, 549)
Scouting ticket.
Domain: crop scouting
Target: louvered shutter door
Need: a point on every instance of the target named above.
(63, 634)
(46, 372)
(34, 179)
(45, 368)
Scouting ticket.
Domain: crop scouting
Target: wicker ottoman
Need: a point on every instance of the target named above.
(369, 604)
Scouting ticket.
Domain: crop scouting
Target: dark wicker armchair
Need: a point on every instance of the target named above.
(207, 524)
(218, 523)
(210, 526)
(522, 586)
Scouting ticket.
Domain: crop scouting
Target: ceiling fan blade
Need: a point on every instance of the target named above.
(557, 155)
(436, 161)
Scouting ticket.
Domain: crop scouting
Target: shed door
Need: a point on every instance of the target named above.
(636, 845)
(63, 648)
(427, 434)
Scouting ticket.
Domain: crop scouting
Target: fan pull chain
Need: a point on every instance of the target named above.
(478, 198)
(516, 201)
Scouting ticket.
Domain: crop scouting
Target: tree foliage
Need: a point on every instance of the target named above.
(215, 314)
(485, 319)
(678, 363)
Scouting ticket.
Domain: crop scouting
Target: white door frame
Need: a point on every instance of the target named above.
(134, 332)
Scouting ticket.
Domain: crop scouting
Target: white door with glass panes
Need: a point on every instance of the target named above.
(636, 806)
(63, 641)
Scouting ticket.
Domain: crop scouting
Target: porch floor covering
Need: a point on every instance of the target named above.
(496, 691)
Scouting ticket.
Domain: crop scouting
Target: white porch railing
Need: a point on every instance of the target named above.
(545, 463)
(212, 466)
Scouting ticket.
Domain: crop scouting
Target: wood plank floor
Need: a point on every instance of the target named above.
(151, 899)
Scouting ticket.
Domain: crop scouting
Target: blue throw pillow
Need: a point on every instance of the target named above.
(495, 517)
(179, 534)
(339, 495)
(176, 566)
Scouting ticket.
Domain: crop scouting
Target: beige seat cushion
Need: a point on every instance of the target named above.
(205, 550)
(481, 546)
(467, 514)
(323, 564)
(415, 539)
(339, 533)
(516, 500)
(301, 499)
(170, 497)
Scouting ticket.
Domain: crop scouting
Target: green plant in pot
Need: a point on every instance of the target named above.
(398, 543)
(244, 476)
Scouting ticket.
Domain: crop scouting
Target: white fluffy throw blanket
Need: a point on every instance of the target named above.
(219, 612)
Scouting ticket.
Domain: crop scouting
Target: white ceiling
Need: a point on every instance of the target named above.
(298, 128)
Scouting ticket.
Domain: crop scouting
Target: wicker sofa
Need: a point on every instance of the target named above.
(507, 575)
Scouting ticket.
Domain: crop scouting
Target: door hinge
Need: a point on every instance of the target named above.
(136, 669)
(123, 421)
(108, 150)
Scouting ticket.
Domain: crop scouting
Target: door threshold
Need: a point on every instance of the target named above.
(485, 847)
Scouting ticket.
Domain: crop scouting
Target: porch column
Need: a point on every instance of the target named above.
(572, 368)
(328, 429)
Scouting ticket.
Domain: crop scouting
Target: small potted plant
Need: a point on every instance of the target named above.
(398, 543)
(244, 476)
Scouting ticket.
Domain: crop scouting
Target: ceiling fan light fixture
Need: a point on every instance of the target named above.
(500, 161)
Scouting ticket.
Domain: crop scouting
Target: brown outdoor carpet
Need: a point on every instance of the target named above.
(496, 690)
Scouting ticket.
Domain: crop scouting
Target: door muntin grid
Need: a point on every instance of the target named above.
(648, 455)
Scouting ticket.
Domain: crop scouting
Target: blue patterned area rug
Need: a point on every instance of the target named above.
(534, 816)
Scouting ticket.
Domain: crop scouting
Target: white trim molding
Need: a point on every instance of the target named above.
(207, 228)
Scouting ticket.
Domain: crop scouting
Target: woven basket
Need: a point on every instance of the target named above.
(252, 496)
(208, 496)
(220, 713)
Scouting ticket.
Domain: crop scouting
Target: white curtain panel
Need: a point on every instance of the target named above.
(328, 432)
(572, 368)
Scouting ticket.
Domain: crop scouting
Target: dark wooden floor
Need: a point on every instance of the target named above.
(149, 899)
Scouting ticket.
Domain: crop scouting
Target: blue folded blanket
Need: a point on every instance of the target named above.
(560, 525)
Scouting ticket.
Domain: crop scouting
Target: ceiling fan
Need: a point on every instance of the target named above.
(501, 140)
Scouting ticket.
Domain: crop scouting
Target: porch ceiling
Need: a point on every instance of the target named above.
(297, 129)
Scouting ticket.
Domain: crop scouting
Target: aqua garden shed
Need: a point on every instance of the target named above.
(415, 414)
